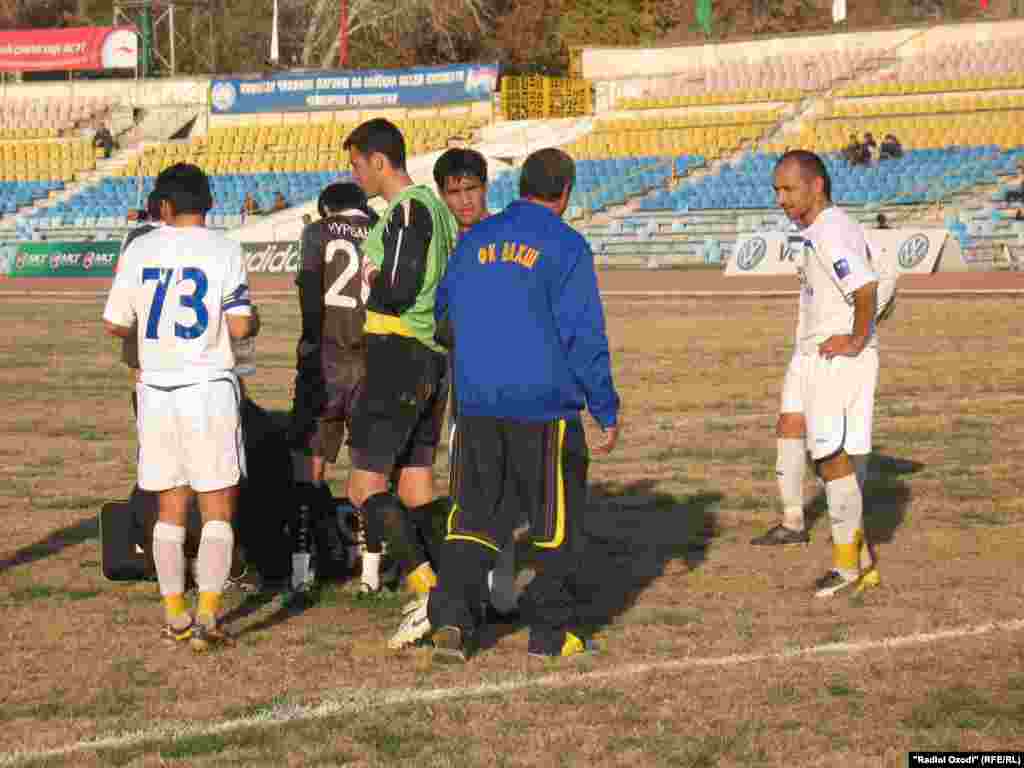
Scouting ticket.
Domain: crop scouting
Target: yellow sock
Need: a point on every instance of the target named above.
(209, 605)
(572, 645)
(175, 609)
(421, 579)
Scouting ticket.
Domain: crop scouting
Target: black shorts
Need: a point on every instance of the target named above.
(322, 407)
(505, 472)
(398, 415)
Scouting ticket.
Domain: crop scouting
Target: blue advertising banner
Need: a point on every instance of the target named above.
(355, 89)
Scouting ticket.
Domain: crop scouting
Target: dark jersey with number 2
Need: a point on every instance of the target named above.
(331, 289)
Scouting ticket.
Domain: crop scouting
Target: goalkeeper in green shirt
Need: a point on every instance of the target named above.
(398, 416)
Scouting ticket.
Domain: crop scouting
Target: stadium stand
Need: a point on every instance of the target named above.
(295, 160)
(671, 166)
(782, 78)
(45, 119)
(961, 66)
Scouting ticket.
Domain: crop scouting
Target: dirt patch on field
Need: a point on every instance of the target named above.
(670, 572)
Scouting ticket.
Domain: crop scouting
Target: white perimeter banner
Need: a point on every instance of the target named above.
(915, 251)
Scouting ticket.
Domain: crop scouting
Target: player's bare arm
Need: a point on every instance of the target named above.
(120, 331)
(852, 344)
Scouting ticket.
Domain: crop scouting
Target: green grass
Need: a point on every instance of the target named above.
(84, 501)
(841, 688)
(745, 623)
(965, 708)
(669, 617)
(783, 694)
(194, 746)
(28, 594)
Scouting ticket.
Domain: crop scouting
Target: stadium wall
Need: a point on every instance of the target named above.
(626, 72)
(481, 109)
(179, 91)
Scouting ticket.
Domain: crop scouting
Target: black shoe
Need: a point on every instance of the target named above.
(780, 535)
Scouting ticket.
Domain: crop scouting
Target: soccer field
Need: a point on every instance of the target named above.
(712, 652)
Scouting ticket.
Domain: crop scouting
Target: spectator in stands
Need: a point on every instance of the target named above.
(854, 151)
(883, 222)
(280, 203)
(891, 148)
(870, 149)
(249, 205)
(104, 140)
(1017, 195)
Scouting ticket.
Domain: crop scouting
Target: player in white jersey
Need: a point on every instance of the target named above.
(185, 290)
(829, 389)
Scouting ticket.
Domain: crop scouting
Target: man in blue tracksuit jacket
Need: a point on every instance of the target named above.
(521, 294)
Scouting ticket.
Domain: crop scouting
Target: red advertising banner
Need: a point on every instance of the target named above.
(22, 50)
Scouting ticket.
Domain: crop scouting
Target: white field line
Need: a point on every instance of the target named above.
(361, 700)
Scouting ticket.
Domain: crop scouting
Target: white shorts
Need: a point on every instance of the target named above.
(190, 435)
(837, 399)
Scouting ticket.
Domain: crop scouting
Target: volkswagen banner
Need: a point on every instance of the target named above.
(915, 251)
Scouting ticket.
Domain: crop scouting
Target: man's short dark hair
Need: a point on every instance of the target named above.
(186, 187)
(340, 196)
(459, 164)
(379, 135)
(811, 167)
(153, 205)
(546, 174)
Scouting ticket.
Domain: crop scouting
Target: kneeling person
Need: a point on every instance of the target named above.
(330, 356)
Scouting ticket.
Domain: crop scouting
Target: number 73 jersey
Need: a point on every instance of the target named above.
(178, 284)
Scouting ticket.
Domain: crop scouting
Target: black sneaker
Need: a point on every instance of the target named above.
(780, 535)
(205, 637)
(833, 582)
(449, 647)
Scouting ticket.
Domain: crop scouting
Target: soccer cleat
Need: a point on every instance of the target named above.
(173, 635)
(868, 579)
(572, 646)
(834, 582)
(414, 627)
(413, 604)
(449, 647)
(207, 637)
(780, 535)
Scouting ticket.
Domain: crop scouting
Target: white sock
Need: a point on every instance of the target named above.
(371, 570)
(846, 512)
(216, 546)
(790, 463)
(302, 570)
(169, 557)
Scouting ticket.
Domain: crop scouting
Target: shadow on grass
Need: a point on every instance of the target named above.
(630, 533)
(83, 530)
(886, 500)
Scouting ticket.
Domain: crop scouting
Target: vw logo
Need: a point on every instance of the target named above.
(751, 253)
(913, 251)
